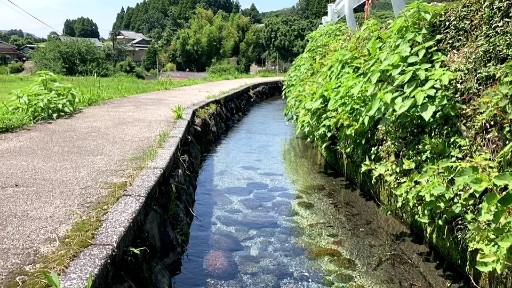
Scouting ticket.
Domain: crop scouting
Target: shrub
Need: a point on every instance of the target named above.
(169, 67)
(73, 58)
(4, 70)
(127, 66)
(45, 99)
(15, 67)
(223, 69)
(140, 73)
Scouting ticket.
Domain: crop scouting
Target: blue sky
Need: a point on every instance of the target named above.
(103, 12)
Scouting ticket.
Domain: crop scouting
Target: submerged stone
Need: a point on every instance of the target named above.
(311, 189)
(250, 168)
(226, 241)
(220, 265)
(320, 252)
(344, 278)
(252, 204)
(263, 196)
(270, 174)
(345, 263)
(286, 195)
(258, 220)
(305, 205)
(277, 189)
(257, 185)
(222, 200)
(238, 191)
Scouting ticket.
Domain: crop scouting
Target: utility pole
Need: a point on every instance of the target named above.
(157, 69)
(277, 63)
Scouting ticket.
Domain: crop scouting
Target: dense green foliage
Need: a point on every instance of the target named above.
(209, 38)
(81, 27)
(422, 104)
(15, 67)
(73, 58)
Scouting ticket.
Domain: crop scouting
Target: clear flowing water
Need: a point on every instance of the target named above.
(271, 213)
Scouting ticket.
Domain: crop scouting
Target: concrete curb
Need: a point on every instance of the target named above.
(128, 216)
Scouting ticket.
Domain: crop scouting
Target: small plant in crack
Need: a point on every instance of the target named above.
(178, 112)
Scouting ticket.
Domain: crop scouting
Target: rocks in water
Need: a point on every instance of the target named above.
(257, 185)
(233, 211)
(250, 168)
(220, 265)
(286, 195)
(277, 189)
(249, 264)
(343, 278)
(280, 203)
(305, 205)
(225, 241)
(270, 174)
(319, 252)
(228, 220)
(257, 220)
(311, 188)
(263, 196)
(222, 200)
(239, 191)
(251, 203)
(284, 210)
(346, 263)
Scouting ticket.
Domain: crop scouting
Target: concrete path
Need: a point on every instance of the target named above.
(50, 170)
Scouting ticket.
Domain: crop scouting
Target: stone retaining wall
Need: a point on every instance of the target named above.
(144, 236)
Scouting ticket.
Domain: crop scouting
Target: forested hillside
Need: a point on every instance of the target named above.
(195, 34)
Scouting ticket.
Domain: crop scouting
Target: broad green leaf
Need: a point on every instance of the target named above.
(405, 106)
(503, 179)
(438, 190)
(427, 110)
(506, 200)
(52, 279)
(413, 58)
(420, 96)
(375, 105)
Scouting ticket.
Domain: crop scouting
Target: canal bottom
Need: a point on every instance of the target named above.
(271, 213)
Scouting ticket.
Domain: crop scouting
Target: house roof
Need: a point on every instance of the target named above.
(95, 41)
(9, 44)
(130, 35)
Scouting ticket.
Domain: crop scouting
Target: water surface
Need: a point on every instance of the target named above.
(271, 213)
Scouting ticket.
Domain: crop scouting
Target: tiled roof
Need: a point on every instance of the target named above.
(131, 35)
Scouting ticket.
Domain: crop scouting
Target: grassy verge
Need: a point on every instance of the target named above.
(82, 233)
(90, 91)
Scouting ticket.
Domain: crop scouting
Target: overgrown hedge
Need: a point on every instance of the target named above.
(423, 105)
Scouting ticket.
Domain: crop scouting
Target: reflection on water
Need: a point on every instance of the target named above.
(270, 213)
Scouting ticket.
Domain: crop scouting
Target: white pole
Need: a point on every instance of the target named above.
(349, 14)
(398, 6)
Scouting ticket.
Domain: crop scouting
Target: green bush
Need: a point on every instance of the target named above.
(169, 67)
(4, 70)
(140, 73)
(45, 99)
(76, 57)
(127, 66)
(223, 68)
(15, 67)
(423, 105)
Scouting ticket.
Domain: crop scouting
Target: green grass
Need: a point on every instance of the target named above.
(92, 90)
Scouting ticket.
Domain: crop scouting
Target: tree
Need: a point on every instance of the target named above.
(69, 28)
(236, 7)
(150, 57)
(253, 14)
(86, 28)
(17, 41)
(29, 40)
(118, 24)
(4, 37)
(251, 49)
(52, 36)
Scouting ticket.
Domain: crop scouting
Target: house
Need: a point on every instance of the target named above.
(95, 41)
(8, 52)
(27, 48)
(136, 44)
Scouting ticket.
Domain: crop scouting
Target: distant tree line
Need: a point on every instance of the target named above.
(81, 27)
(19, 38)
